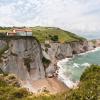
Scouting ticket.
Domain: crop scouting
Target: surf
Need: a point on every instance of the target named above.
(70, 69)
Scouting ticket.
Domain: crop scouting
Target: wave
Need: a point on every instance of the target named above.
(94, 50)
(61, 75)
(85, 64)
(67, 81)
(75, 65)
(66, 78)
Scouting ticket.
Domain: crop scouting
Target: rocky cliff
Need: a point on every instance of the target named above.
(30, 61)
(22, 57)
(58, 51)
(94, 43)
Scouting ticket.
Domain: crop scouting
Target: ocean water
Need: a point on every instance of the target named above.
(71, 69)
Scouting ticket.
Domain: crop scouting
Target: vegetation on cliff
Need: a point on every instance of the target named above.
(54, 34)
(88, 89)
(10, 88)
(45, 62)
(48, 33)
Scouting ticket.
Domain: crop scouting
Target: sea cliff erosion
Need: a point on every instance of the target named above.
(58, 51)
(22, 56)
(35, 63)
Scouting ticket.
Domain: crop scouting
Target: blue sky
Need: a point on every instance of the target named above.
(79, 16)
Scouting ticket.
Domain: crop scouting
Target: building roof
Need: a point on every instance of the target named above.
(23, 30)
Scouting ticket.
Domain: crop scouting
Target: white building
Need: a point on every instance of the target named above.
(20, 32)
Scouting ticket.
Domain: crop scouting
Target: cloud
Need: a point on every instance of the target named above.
(80, 16)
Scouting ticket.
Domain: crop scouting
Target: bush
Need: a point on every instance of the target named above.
(47, 45)
(46, 62)
(10, 92)
(20, 93)
(91, 73)
(2, 50)
(54, 38)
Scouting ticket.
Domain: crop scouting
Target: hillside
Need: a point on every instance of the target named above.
(3, 30)
(48, 33)
(89, 88)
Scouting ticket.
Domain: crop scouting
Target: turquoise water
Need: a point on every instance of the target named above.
(73, 68)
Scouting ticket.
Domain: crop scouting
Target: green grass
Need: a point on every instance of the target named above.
(4, 30)
(10, 88)
(43, 33)
(89, 88)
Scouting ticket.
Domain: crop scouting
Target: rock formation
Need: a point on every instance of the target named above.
(58, 51)
(32, 61)
(23, 58)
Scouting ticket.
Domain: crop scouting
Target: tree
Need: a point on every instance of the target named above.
(54, 38)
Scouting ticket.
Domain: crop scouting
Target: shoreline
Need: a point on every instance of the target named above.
(66, 80)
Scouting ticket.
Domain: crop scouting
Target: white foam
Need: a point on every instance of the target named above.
(67, 80)
(85, 64)
(75, 65)
(63, 61)
(94, 50)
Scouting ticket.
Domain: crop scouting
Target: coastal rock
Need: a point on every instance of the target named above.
(58, 51)
(23, 58)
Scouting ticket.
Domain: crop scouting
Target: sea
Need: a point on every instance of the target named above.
(71, 69)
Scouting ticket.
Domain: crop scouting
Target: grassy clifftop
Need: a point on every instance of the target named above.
(47, 33)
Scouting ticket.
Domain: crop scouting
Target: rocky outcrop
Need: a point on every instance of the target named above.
(58, 51)
(94, 43)
(23, 58)
(97, 43)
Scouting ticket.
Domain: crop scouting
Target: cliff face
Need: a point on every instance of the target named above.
(23, 58)
(94, 43)
(58, 51)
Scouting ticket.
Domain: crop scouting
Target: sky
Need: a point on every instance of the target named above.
(78, 16)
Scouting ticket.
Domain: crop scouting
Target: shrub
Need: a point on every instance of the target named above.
(46, 62)
(20, 93)
(47, 45)
(2, 50)
(54, 38)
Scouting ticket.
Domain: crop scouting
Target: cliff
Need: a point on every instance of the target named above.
(33, 62)
(94, 43)
(58, 51)
(23, 57)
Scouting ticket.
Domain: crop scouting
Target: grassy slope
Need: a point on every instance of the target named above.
(89, 88)
(4, 31)
(42, 34)
(10, 88)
